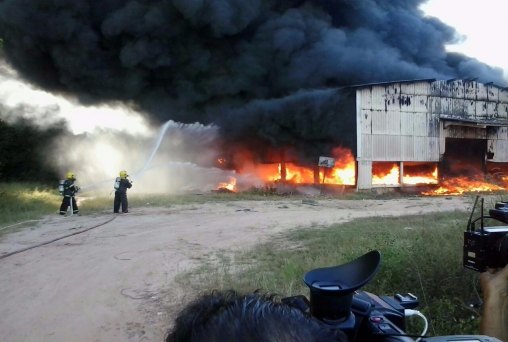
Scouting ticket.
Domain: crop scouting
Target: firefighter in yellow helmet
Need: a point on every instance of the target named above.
(122, 183)
(68, 189)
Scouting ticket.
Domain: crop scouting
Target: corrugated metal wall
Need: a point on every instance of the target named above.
(498, 144)
(469, 101)
(396, 123)
(409, 121)
(483, 105)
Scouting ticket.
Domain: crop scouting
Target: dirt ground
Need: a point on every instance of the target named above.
(115, 280)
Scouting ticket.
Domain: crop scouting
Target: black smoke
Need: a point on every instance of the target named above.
(217, 61)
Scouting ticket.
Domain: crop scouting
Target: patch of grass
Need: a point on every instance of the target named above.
(23, 202)
(421, 255)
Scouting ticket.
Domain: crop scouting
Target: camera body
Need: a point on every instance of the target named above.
(486, 247)
(371, 317)
(381, 318)
(337, 302)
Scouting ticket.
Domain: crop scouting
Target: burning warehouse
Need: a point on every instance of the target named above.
(448, 128)
(391, 134)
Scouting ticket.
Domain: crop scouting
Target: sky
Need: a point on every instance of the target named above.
(482, 25)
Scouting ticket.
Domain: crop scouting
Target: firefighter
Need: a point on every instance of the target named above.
(122, 183)
(68, 189)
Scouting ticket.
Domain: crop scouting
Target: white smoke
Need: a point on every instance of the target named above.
(103, 140)
(23, 100)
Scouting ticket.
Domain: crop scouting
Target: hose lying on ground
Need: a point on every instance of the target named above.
(57, 239)
(16, 224)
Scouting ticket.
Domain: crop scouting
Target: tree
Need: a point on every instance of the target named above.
(23, 147)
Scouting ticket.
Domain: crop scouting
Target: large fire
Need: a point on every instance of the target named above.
(460, 185)
(344, 173)
(389, 174)
(390, 177)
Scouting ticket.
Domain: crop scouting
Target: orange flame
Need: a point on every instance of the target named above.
(344, 176)
(392, 177)
(344, 173)
(421, 179)
(383, 175)
(460, 185)
(231, 185)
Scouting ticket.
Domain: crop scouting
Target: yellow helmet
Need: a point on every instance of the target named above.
(123, 174)
(70, 175)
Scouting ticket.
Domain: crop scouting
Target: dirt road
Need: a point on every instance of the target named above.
(106, 284)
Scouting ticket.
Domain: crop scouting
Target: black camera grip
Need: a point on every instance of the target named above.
(380, 328)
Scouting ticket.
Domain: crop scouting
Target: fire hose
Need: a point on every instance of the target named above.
(17, 224)
(56, 239)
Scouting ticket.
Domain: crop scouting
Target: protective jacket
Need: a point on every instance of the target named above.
(121, 186)
(70, 189)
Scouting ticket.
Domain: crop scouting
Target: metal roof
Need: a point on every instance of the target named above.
(365, 85)
(430, 80)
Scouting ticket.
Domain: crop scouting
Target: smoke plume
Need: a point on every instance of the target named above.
(43, 134)
(239, 64)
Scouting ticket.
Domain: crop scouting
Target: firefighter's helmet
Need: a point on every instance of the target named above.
(70, 175)
(123, 174)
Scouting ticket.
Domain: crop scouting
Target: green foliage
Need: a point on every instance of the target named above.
(421, 255)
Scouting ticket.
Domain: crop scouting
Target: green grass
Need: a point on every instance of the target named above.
(29, 201)
(421, 255)
(21, 202)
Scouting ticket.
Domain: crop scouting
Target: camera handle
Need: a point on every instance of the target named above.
(380, 328)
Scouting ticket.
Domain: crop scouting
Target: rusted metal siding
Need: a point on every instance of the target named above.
(469, 101)
(503, 95)
(500, 150)
(497, 142)
(455, 130)
(389, 123)
(492, 93)
(410, 121)
(421, 88)
(475, 111)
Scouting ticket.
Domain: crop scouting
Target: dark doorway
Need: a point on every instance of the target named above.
(464, 157)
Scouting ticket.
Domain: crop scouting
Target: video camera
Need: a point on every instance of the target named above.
(486, 247)
(337, 302)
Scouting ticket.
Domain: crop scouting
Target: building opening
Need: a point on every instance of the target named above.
(464, 158)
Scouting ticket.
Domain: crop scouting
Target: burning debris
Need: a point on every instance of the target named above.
(228, 187)
(461, 185)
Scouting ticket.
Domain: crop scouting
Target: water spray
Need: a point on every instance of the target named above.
(196, 134)
(146, 166)
(158, 142)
